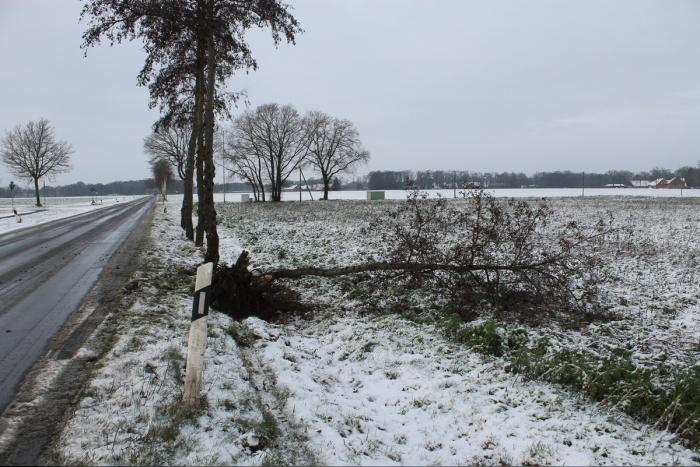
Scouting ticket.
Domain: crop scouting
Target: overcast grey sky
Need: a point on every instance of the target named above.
(491, 85)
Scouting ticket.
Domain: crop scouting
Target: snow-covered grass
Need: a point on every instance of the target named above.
(52, 209)
(498, 192)
(131, 411)
(388, 389)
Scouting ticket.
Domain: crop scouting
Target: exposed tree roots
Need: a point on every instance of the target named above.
(240, 293)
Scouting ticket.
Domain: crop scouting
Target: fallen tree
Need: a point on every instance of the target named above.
(480, 253)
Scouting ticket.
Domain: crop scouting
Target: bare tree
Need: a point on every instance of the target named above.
(32, 152)
(661, 172)
(246, 165)
(162, 172)
(170, 145)
(269, 144)
(247, 171)
(334, 146)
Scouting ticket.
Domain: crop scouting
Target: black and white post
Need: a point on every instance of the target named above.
(12, 189)
(197, 343)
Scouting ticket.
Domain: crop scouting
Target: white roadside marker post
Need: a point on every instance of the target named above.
(198, 332)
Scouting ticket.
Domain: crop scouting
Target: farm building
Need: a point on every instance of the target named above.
(675, 182)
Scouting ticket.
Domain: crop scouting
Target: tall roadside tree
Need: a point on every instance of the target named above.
(272, 142)
(193, 47)
(32, 152)
(334, 147)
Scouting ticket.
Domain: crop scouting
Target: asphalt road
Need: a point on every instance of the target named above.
(45, 271)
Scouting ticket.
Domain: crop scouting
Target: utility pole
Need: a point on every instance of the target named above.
(454, 183)
(223, 175)
(307, 186)
(583, 182)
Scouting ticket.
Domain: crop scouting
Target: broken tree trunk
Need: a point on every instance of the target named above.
(412, 267)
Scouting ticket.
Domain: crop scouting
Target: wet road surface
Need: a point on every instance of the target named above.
(45, 271)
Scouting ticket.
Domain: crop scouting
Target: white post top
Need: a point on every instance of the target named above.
(204, 273)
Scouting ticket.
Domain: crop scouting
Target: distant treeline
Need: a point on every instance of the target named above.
(131, 187)
(390, 180)
(447, 179)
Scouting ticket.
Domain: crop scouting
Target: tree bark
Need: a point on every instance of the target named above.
(261, 184)
(199, 232)
(212, 253)
(199, 97)
(326, 183)
(36, 192)
(276, 188)
(188, 200)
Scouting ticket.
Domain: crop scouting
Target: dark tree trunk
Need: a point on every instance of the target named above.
(277, 185)
(199, 232)
(261, 186)
(207, 201)
(36, 192)
(326, 189)
(187, 201)
(254, 186)
(192, 150)
(199, 97)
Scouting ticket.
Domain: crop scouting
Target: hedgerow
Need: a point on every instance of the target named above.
(666, 396)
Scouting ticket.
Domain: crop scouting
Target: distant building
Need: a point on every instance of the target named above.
(640, 183)
(658, 183)
(677, 183)
(615, 185)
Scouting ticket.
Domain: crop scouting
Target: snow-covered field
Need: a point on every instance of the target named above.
(346, 388)
(52, 209)
(500, 193)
